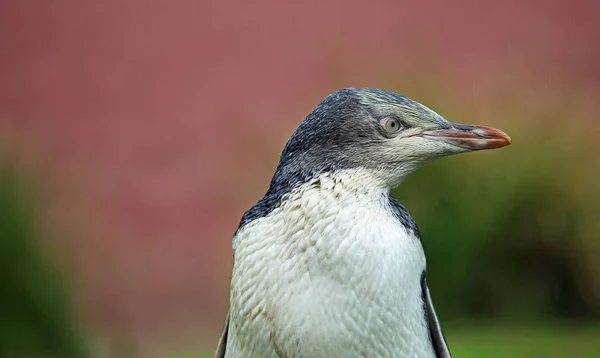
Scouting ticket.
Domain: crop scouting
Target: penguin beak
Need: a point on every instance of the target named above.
(469, 136)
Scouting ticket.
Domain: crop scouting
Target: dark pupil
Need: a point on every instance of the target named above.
(393, 124)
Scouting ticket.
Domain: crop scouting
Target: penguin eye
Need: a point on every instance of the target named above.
(391, 125)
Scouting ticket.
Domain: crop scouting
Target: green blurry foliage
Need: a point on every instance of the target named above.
(36, 318)
(513, 233)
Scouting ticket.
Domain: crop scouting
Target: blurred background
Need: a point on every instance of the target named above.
(134, 134)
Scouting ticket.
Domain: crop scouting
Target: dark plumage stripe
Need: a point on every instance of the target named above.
(221, 348)
(283, 182)
(403, 216)
(438, 341)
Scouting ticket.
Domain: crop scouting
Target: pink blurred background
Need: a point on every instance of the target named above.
(153, 125)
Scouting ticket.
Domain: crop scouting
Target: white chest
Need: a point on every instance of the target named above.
(328, 273)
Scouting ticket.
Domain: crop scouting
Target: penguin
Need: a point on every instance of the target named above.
(328, 263)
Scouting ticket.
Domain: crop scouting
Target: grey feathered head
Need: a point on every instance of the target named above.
(378, 130)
